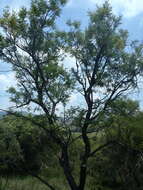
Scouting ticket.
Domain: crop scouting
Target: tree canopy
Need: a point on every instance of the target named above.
(107, 66)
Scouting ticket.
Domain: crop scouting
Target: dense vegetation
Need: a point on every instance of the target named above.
(93, 146)
(26, 150)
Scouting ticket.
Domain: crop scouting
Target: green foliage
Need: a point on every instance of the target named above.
(105, 69)
(21, 146)
(34, 47)
(119, 165)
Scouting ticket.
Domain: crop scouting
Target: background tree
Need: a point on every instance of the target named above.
(105, 69)
(20, 147)
(122, 159)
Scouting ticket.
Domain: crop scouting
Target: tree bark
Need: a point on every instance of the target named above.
(64, 162)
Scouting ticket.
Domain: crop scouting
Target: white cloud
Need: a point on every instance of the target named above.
(73, 98)
(128, 8)
(69, 3)
(69, 61)
(5, 102)
(14, 4)
(6, 81)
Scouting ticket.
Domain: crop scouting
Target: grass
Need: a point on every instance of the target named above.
(27, 183)
(30, 183)
(17, 183)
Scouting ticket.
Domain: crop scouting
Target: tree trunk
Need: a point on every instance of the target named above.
(64, 162)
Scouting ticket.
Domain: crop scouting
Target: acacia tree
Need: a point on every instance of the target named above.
(106, 67)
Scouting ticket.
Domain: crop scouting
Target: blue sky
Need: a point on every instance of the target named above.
(132, 20)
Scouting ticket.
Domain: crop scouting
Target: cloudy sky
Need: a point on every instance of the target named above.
(132, 20)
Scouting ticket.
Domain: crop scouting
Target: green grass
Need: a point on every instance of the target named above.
(30, 183)
(27, 183)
